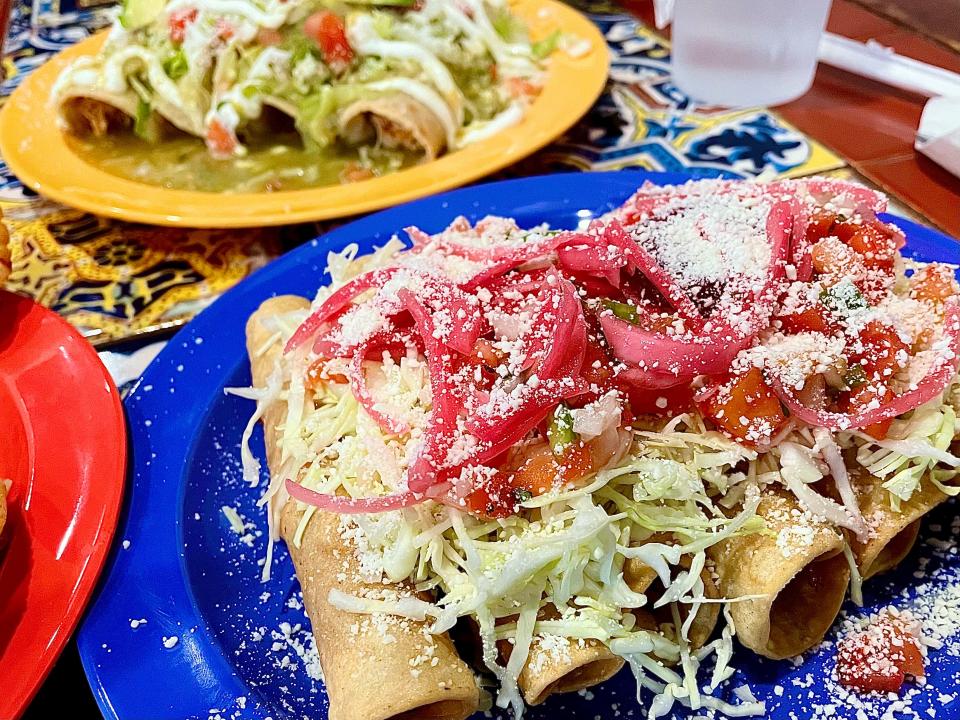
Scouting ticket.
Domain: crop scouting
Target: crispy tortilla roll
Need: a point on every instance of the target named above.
(560, 665)
(395, 121)
(643, 579)
(892, 532)
(96, 113)
(557, 664)
(375, 666)
(798, 568)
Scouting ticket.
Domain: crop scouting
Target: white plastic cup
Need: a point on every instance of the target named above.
(746, 52)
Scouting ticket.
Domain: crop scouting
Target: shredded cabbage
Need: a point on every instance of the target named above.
(920, 445)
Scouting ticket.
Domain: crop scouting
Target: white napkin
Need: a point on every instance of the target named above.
(938, 136)
(126, 367)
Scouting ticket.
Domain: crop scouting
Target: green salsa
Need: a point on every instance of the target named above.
(283, 163)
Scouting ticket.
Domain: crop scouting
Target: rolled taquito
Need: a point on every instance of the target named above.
(795, 572)
(395, 121)
(557, 664)
(90, 101)
(561, 665)
(376, 667)
(643, 579)
(892, 532)
(97, 114)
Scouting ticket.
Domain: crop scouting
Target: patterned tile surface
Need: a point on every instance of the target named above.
(117, 281)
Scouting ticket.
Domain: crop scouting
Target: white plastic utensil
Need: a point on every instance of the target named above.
(877, 62)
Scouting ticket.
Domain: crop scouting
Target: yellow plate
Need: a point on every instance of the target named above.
(35, 148)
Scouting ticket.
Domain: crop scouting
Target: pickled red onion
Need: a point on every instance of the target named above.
(348, 505)
(565, 352)
(358, 383)
(443, 416)
(711, 350)
(337, 301)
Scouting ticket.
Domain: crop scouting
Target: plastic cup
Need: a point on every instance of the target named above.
(746, 52)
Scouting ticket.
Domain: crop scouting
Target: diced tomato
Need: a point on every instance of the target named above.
(883, 353)
(912, 663)
(831, 257)
(819, 226)
(810, 320)
(576, 462)
(494, 498)
(869, 396)
(597, 372)
(317, 375)
(225, 29)
(879, 658)
(875, 242)
(746, 407)
(522, 88)
(934, 284)
(220, 139)
(667, 402)
(178, 21)
(328, 32)
(541, 471)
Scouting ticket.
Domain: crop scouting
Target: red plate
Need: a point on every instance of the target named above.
(63, 444)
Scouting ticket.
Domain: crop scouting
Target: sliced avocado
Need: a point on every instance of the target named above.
(139, 13)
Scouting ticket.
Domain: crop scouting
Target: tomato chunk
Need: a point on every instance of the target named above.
(494, 497)
(746, 407)
(327, 30)
(178, 21)
(934, 284)
(810, 320)
(871, 396)
(820, 225)
(541, 471)
(881, 351)
(597, 373)
(220, 139)
(663, 403)
(317, 375)
(876, 244)
(880, 657)
(831, 257)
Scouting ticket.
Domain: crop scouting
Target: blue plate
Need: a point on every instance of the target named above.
(183, 628)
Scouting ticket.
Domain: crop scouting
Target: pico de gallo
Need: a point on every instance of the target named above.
(547, 339)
